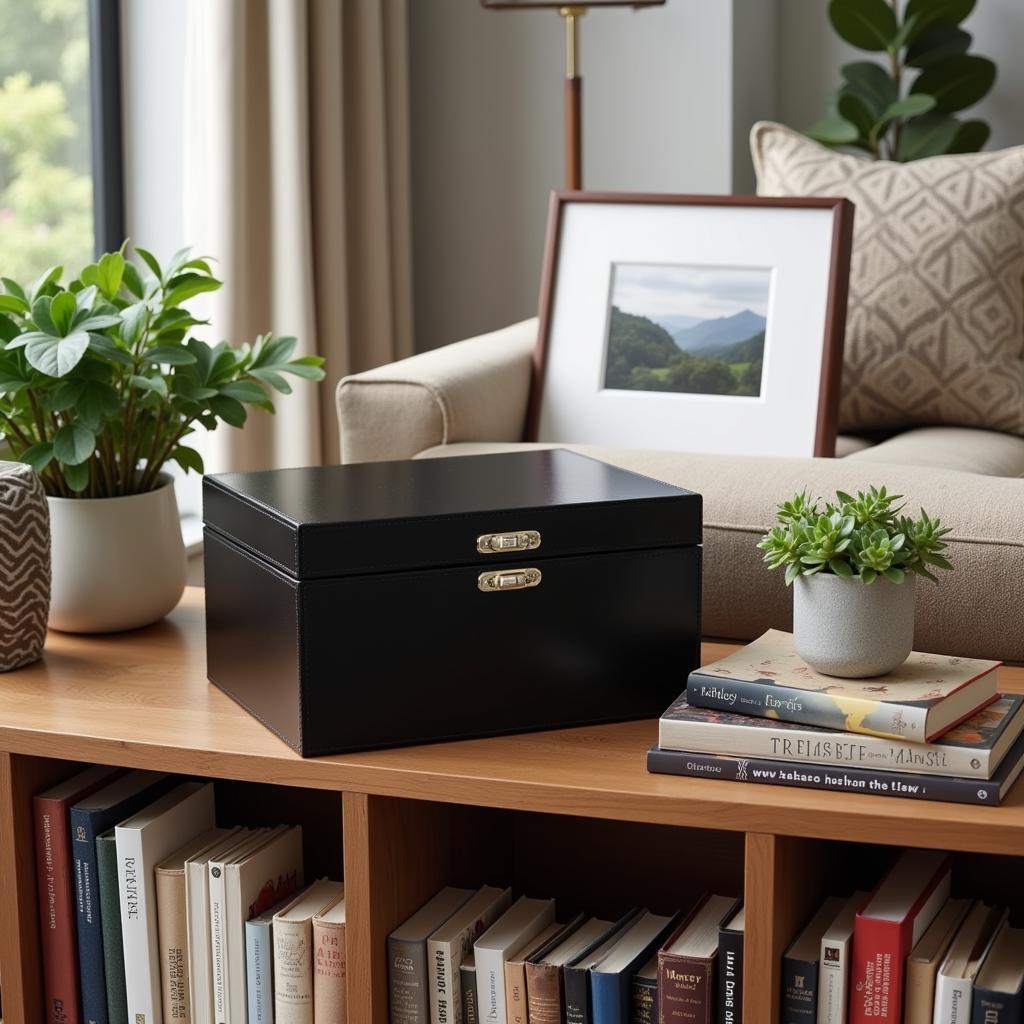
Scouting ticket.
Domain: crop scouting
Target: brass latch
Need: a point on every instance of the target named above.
(508, 579)
(497, 543)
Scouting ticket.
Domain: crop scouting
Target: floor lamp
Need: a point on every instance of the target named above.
(571, 14)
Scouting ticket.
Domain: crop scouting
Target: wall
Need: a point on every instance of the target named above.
(660, 88)
(810, 55)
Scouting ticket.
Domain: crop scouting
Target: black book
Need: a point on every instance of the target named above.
(730, 970)
(576, 975)
(467, 983)
(999, 988)
(800, 967)
(643, 996)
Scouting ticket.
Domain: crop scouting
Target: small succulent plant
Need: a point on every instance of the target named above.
(865, 536)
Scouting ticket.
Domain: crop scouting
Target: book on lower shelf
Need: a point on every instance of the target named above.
(259, 964)
(999, 987)
(926, 958)
(330, 963)
(516, 1007)
(801, 966)
(576, 973)
(544, 988)
(954, 985)
(834, 962)
(922, 699)
(730, 977)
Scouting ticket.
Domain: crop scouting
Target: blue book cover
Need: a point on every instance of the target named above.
(259, 964)
(611, 979)
(88, 819)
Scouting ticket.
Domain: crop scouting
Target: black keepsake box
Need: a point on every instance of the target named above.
(387, 603)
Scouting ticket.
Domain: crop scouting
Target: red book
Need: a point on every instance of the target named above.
(897, 914)
(57, 891)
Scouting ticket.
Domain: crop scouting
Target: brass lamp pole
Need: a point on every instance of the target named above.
(571, 14)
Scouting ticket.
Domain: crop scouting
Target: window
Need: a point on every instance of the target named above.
(60, 160)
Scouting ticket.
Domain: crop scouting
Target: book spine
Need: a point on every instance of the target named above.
(832, 989)
(407, 982)
(56, 912)
(515, 992)
(197, 891)
(790, 704)
(329, 970)
(172, 942)
(543, 994)
(293, 974)
(730, 977)
(467, 979)
(140, 974)
(445, 994)
(91, 978)
(876, 971)
(107, 873)
(490, 986)
(259, 956)
(952, 1000)
(218, 943)
(836, 780)
(799, 991)
(644, 1001)
(811, 746)
(577, 995)
(988, 1007)
(686, 990)
(605, 998)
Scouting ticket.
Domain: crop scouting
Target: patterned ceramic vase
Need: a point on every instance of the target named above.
(24, 566)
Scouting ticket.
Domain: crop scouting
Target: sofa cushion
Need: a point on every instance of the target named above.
(974, 611)
(935, 326)
(970, 451)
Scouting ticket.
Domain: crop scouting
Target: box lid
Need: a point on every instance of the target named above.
(387, 516)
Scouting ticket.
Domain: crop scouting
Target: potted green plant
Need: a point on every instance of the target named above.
(101, 384)
(854, 564)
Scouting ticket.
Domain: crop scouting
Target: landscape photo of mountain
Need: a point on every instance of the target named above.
(693, 330)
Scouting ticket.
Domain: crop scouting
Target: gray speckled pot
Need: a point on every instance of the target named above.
(843, 628)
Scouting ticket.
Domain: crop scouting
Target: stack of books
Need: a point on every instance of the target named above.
(473, 956)
(150, 913)
(934, 729)
(906, 953)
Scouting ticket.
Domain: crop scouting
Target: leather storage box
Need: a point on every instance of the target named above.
(379, 604)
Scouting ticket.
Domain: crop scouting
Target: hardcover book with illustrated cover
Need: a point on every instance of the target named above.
(971, 750)
(922, 699)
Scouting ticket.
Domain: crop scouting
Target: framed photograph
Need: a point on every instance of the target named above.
(692, 323)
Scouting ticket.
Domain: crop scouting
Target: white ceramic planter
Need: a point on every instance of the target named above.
(118, 563)
(843, 628)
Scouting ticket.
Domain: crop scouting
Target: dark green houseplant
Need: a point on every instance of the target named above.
(903, 107)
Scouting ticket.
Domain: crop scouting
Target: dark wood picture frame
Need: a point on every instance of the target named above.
(835, 312)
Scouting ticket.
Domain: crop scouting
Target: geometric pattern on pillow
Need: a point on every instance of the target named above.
(935, 321)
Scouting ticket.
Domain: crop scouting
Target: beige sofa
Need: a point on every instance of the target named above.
(470, 398)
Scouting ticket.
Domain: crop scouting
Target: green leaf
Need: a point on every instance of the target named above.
(132, 280)
(244, 391)
(156, 384)
(928, 135)
(894, 575)
(133, 323)
(970, 137)
(910, 106)
(872, 84)
(867, 24)
(98, 401)
(74, 443)
(151, 261)
(833, 131)
(307, 371)
(840, 568)
(169, 355)
(936, 12)
(77, 477)
(39, 456)
(910, 27)
(13, 304)
(188, 459)
(9, 330)
(230, 410)
(277, 351)
(42, 283)
(956, 82)
(792, 571)
(203, 356)
(41, 316)
(108, 349)
(935, 44)
(100, 322)
(868, 576)
(272, 379)
(57, 357)
(852, 108)
(109, 272)
(64, 396)
(186, 286)
(15, 289)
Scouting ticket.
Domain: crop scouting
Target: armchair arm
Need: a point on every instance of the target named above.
(473, 390)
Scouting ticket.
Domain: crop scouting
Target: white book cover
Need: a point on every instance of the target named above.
(259, 964)
(451, 944)
(217, 879)
(954, 986)
(834, 963)
(143, 841)
(254, 884)
(525, 919)
(197, 922)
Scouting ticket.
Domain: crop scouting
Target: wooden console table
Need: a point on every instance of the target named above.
(571, 813)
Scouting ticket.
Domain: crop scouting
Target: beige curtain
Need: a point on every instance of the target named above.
(297, 182)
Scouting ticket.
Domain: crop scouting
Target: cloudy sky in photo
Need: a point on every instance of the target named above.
(707, 292)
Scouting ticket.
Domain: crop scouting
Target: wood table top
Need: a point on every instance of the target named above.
(141, 699)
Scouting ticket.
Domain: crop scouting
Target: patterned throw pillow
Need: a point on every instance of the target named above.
(935, 326)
